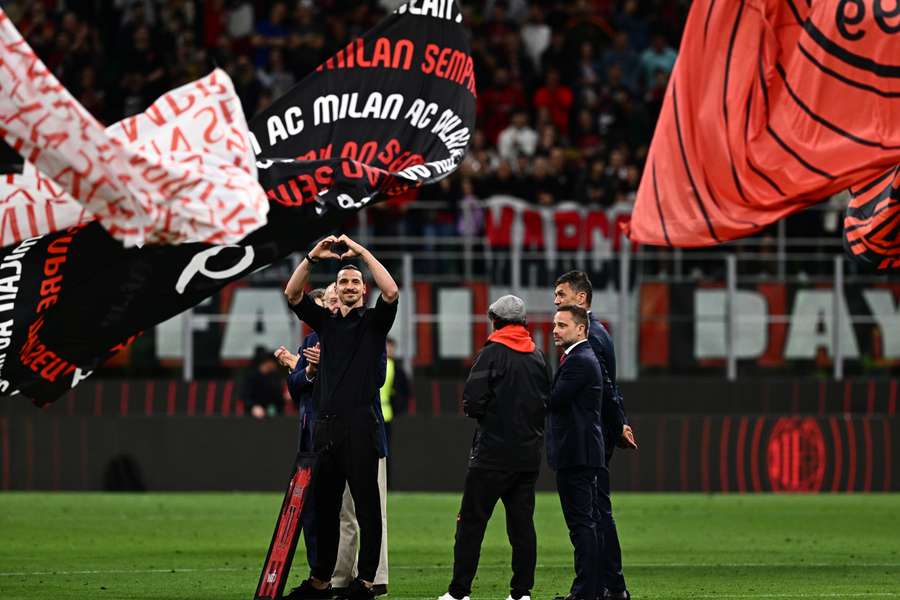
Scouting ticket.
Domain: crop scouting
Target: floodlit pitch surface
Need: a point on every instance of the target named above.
(205, 546)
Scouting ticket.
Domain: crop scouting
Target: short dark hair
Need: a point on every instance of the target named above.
(501, 323)
(349, 267)
(579, 282)
(316, 294)
(579, 315)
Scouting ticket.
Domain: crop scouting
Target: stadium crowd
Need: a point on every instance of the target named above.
(568, 91)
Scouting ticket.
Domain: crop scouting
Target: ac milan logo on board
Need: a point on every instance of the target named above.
(796, 455)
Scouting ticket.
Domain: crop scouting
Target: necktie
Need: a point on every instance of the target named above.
(562, 358)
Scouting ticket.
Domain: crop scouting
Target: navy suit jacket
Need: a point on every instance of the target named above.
(603, 347)
(301, 390)
(575, 429)
(302, 393)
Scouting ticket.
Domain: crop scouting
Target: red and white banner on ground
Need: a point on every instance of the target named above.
(183, 171)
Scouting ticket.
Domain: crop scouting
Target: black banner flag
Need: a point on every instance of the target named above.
(390, 112)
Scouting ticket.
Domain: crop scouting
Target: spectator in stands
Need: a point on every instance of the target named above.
(589, 67)
(498, 22)
(277, 79)
(623, 56)
(549, 136)
(556, 53)
(471, 214)
(518, 138)
(546, 186)
(306, 47)
(585, 136)
(503, 181)
(262, 389)
(270, 33)
(658, 57)
(498, 102)
(593, 189)
(653, 98)
(557, 98)
(513, 10)
(89, 93)
(536, 35)
(247, 85)
(630, 21)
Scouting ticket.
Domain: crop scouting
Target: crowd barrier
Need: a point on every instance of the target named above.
(442, 396)
(701, 435)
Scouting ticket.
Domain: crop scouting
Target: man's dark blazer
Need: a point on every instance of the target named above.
(605, 351)
(575, 428)
(301, 390)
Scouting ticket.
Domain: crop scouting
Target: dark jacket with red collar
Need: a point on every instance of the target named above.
(506, 392)
(575, 430)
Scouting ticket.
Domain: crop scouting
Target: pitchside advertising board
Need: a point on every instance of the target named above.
(680, 328)
(389, 113)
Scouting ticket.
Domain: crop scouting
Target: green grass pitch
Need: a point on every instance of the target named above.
(211, 546)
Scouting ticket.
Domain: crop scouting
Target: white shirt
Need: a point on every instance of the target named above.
(569, 349)
(514, 142)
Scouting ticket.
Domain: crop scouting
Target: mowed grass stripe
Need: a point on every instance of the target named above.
(126, 546)
(481, 567)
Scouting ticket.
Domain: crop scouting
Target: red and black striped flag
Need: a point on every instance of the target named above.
(775, 105)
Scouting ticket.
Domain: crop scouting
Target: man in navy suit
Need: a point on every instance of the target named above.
(574, 288)
(575, 448)
(300, 384)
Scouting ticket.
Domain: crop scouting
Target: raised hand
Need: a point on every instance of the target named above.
(312, 354)
(324, 249)
(353, 248)
(286, 358)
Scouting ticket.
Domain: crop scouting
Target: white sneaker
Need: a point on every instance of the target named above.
(448, 596)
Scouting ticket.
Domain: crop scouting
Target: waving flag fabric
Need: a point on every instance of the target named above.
(392, 111)
(182, 171)
(775, 105)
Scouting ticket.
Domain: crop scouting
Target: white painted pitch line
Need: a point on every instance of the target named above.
(760, 595)
(119, 572)
(481, 568)
(802, 595)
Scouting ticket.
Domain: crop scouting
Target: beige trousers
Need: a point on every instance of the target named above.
(345, 568)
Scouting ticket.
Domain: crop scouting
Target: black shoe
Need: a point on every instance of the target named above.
(623, 595)
(306, 591)
(340, 593)
(359, 591)
(380, 589)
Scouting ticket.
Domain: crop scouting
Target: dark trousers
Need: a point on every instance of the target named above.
(577, 488)
(346, 455)
(610, 563)
(483, 488)
(308, 522)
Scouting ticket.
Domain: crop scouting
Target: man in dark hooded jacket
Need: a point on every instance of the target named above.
(506, 392)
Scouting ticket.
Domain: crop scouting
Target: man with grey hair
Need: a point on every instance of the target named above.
(506, 392)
